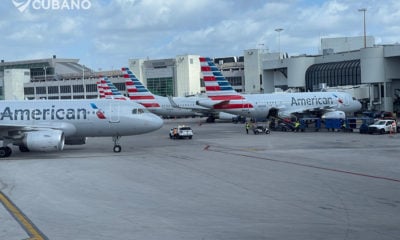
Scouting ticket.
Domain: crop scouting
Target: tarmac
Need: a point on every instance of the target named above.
(222, 184)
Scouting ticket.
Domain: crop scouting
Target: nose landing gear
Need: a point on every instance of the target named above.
(117, 148)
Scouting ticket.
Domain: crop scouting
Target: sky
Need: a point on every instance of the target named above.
(104, 34)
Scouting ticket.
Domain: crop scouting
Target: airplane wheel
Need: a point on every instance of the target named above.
(23, 148)
(117, 148)
(5, 152)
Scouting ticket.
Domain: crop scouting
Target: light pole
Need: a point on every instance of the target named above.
(365, 31)
(45, 76)
(279, 30)
(83, 81)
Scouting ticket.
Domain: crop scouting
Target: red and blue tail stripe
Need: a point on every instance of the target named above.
(109, 89)
(217, 87)
(137, 91)
(100, 90)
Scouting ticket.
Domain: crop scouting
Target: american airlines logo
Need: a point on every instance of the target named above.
(23, 5)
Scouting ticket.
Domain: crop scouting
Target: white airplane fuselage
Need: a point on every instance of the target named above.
(259, 105)
(89, 118)
(46, 125)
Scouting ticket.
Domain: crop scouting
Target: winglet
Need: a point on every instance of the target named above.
(173, 103)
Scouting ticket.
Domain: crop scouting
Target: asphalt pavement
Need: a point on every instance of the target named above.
(222, 184)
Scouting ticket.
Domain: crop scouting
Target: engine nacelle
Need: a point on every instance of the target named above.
(335, 115)
(44, 140)
(75, 140)
(226, 116)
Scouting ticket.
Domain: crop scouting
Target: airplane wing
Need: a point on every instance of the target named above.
(201, 110)
(221, 104)
(212, 104)
(285, 111)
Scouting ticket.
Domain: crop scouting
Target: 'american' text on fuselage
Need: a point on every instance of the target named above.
(43, 114)
(311, 101)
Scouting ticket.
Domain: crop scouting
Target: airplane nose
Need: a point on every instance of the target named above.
(155, 122)
(358, 106)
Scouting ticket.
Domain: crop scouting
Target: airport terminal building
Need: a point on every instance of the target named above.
(369, 71)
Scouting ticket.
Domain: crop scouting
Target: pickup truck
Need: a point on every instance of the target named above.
(181, 132)
(383, 126)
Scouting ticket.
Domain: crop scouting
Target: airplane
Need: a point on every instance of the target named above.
(46, 125)
(222, 97)
(167, 106)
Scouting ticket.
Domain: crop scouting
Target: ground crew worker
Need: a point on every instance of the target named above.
(297, 125)
(343, 126)
(247, 127)
(393, 128)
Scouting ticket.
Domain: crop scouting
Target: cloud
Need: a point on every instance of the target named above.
(112, 31)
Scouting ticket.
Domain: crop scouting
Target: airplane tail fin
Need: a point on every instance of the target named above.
(217, 87)
(100, 90)
(137, 91)
(108, 90)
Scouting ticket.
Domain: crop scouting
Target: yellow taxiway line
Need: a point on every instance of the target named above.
(33, 232)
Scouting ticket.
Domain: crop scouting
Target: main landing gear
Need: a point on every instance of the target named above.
(5, 152)
(117, 147)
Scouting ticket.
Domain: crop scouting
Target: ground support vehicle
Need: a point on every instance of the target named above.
(181, 132)
(261, 129)
(310, 123)
(382, 126)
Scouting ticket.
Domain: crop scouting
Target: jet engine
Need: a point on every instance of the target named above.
(75, 140)
(44, 140)
(334, 114)
(226, 116)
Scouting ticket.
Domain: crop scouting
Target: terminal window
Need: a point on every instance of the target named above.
(41, 90)
(91, 88)
(77, 88)
(29, 91)
(53, 89)
(65, 89)
(161, 86)
(235, 81)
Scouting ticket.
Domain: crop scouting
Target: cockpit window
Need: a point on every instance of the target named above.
(139, 111)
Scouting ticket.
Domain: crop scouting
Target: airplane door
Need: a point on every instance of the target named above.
(345, 101)
(114, 112)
